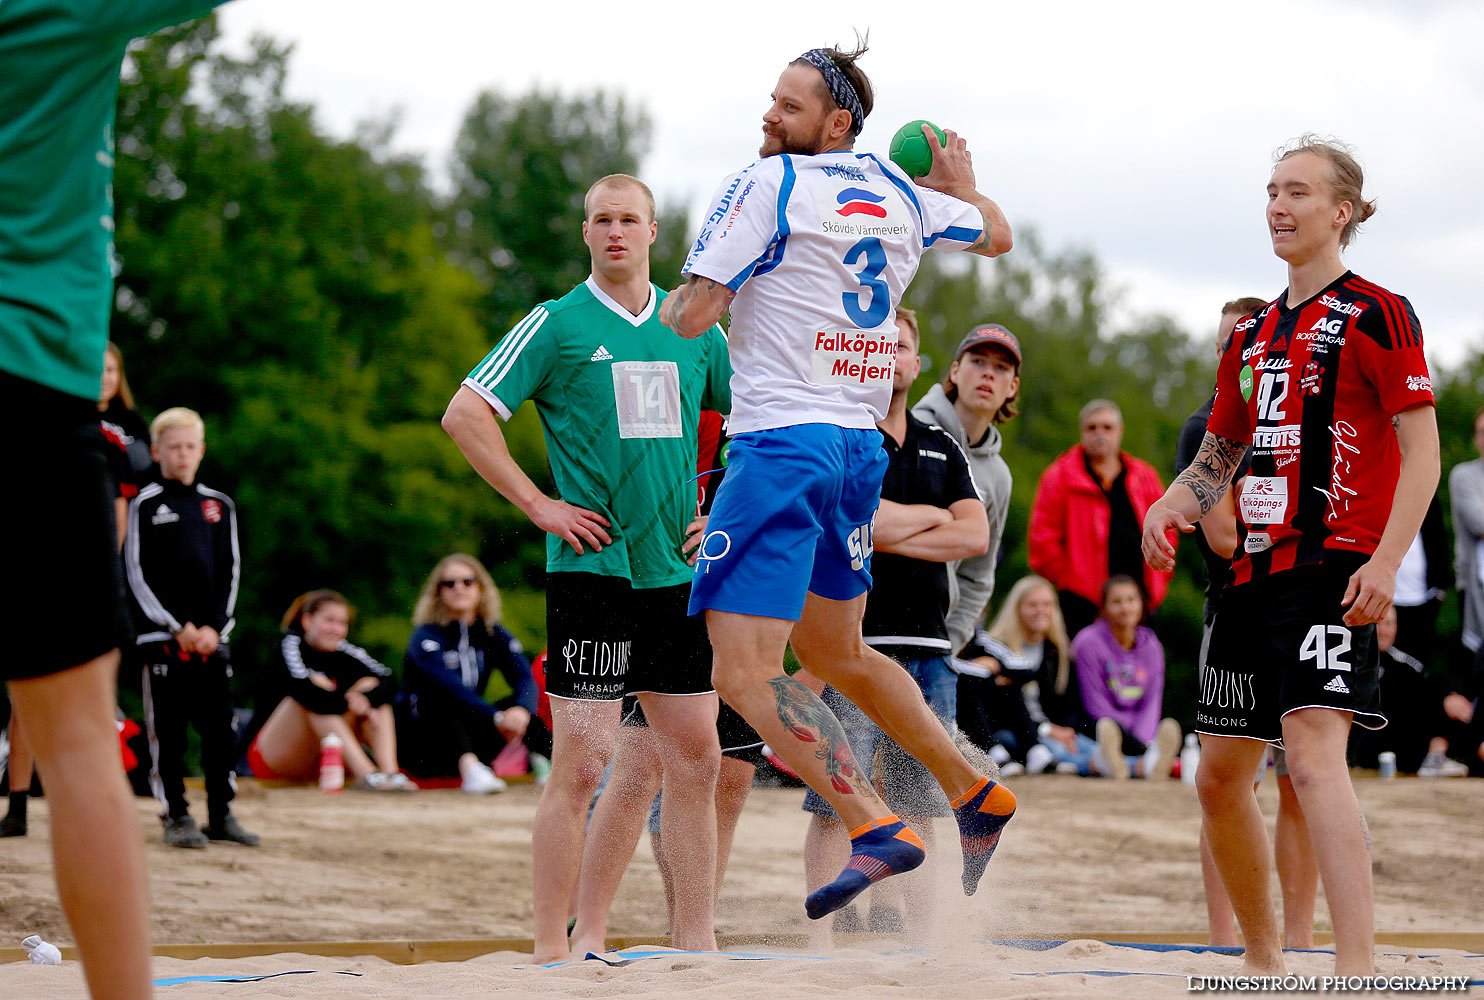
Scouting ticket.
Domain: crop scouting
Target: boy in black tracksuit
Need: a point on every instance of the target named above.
(180, 553)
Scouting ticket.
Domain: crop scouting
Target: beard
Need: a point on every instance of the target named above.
(797, 145)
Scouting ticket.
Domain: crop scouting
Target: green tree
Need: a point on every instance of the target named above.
(290, 287)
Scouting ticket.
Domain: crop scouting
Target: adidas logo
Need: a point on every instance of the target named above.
(163, 515)
(601, 354)
(1337, 686)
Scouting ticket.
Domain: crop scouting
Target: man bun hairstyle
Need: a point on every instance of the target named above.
(1346, 179)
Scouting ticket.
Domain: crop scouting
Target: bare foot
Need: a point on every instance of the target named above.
(582, 944)
(1277, 967)
(547, 958)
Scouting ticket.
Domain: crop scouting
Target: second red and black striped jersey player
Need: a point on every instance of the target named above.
(1313, 388)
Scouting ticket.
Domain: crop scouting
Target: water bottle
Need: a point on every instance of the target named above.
(1190, 759)
(1386, 764)
(41, 952)
(331, 764)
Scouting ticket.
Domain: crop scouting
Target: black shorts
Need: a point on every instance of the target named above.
(737, 737)
(1278, 645)
(606, 639)
(61, 583)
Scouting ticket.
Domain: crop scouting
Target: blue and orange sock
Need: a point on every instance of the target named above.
(982, 813)
(880, 848)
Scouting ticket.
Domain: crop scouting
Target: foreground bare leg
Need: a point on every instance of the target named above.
(582, 741)
(1239, 844)
(684, 728)
(1298, 872)
(96, 843)
(1315, 739)
(613, 834)
(732, 788)
(827, 640)
(748, 674)
(1219, 916)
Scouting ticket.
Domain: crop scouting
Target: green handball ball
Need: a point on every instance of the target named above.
(910, 149)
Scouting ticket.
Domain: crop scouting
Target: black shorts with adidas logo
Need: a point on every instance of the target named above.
(1279, 644)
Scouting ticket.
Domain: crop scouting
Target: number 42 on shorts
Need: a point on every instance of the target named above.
(1316, 647)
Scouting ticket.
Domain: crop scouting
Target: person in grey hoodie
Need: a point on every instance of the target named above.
(977, 395)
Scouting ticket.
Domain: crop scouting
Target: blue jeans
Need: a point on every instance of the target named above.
(911, 789)
(1086, 747)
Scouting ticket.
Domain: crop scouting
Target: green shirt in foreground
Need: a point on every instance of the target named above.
(59, 78)
(619, 398)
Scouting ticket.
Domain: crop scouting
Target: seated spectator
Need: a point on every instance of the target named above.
(1121, 671)
(335, 687)
(448, 727)
(1017, 692)
(1423, 710)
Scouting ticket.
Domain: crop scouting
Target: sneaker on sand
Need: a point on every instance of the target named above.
(399, 782)
(1439, 765)
(1168, 741)
(373, 782)
(480, 780)
(1110, 741)
(231, 830)
(1038, 758)
(181, 831)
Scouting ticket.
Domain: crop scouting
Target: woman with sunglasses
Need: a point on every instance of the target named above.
(448, 726)
(332, 686)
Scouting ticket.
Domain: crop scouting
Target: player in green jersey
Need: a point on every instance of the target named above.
(58, 85)
(619, 397)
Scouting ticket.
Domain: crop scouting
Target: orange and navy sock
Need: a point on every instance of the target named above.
(982, 813)
(880, 848)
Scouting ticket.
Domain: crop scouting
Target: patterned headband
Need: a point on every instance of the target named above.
(840, 87)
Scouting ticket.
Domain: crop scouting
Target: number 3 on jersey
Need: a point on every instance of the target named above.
(869, 316)
(1316, 647)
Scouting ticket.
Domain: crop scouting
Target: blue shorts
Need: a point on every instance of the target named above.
(911, 789)
(793, 516)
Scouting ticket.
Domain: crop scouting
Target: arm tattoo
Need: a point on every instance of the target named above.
(700, 290)
(982, 243)
(811, 721)
(1210, 475)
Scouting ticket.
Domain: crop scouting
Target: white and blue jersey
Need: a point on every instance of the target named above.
(819, 250)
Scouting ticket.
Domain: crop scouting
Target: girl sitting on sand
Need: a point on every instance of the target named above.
(449, 727)
(1017, 691)
(335, 687)
(1121, 670)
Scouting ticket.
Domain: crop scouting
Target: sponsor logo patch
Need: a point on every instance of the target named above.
(164, 515)
(211, 510)
(1264, 499)
(1419, 383)
(1329, 301)
(847, 358)
(860, 201)
(1337, 686)
(1258, 541)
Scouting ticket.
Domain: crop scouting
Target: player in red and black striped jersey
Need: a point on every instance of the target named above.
(1329, 387)
(1314, 388)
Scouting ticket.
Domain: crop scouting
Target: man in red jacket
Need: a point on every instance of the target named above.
(1085, 522)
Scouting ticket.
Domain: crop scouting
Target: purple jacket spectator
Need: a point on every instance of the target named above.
(1126, 685)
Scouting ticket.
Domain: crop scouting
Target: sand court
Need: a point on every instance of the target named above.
(444, 880)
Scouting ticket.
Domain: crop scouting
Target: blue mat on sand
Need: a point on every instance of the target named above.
(178, 980)
(628, 956)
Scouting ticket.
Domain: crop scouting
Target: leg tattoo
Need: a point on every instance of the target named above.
(811, 721)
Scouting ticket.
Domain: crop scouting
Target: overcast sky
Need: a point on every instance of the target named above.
(1141, 131)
